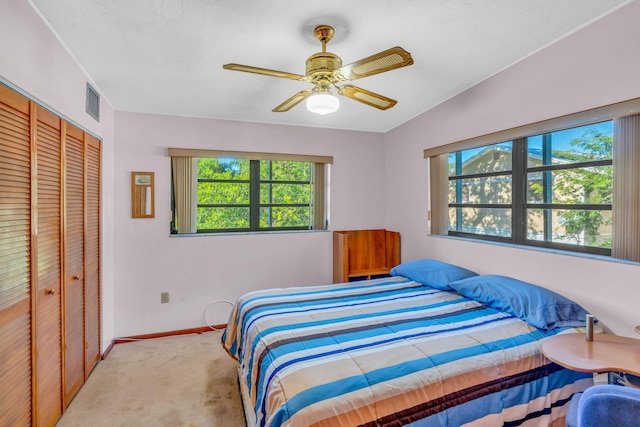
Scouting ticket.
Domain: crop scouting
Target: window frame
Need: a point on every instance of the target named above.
(520, 205)
(626, 160)
(460, 204)
(255, 205)
(317, 199)
(523, 205)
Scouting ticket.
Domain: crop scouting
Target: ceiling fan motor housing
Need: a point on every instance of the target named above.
(322, 64)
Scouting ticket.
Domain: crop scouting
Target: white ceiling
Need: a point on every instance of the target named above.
(166, 56)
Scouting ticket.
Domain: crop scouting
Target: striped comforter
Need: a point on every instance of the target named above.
(391, 352)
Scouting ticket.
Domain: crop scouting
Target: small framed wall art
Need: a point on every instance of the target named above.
(142, 195)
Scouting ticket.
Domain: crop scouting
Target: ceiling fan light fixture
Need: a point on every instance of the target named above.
(322, 103)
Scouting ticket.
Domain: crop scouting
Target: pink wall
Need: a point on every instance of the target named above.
(33, 60)
(595, 66)
(199, 270)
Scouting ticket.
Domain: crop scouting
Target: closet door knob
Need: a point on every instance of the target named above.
(75, 277)
(50, 291)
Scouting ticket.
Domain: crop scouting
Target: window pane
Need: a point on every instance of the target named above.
(222, 218)
(222, 193)
(493, 189)
(584, 185)
(277, 170)
(593, 185)
(536, 188)
(490, 158)
(485, 221)
(218, 168)
(285, 193)
(581, 144)
(572, 226)
(285, 217)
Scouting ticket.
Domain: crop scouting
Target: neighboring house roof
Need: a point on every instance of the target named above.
(534, 154)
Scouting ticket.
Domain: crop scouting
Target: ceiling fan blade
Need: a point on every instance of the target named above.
(263, 71)
(293, 101)
(387, 60)
(367, 97)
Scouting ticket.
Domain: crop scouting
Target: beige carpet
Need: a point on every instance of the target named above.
(186, 380)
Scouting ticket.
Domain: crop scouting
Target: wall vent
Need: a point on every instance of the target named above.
(93, 102)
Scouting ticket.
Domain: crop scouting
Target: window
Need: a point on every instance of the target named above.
(247, 192)
(570, 183)
(480, 190)
(569, 175)
(256, 195)
(566, 199)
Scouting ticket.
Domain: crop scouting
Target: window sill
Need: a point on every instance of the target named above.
(539, 249)
(243, 233)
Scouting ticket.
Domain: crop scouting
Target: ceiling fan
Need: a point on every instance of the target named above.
(324, 69)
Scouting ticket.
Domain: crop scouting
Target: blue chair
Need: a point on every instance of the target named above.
(605, 406)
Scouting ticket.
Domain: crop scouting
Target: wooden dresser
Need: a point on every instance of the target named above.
(364, 254)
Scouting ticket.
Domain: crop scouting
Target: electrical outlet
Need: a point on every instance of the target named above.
(164, 297)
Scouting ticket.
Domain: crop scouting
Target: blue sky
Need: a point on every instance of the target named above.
(561, 140)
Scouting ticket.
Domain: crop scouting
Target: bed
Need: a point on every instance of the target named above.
(433, 345)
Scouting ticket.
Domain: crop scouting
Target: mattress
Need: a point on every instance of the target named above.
(392, 352)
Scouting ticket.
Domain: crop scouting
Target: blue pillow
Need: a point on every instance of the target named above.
(536, 305)
(431, 272)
